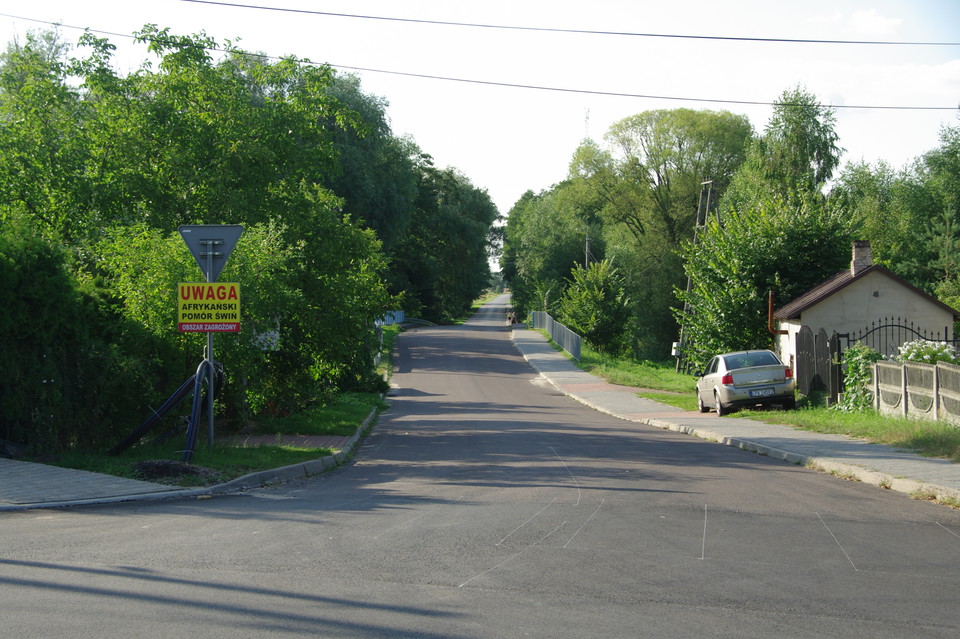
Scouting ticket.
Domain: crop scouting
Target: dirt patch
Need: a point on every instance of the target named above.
(334, 442)
(166, 471)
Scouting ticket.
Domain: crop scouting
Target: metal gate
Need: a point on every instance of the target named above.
(887, 334)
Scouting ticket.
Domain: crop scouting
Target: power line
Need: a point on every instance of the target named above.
(67, 26)
(476, 25)
(511, 85)
(634, 95)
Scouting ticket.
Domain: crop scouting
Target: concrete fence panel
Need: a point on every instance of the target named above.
(920, 391)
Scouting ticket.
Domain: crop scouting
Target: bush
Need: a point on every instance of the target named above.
(66, 371)
(858, 360)
(594, 305)
(315, 298)
(928, 352)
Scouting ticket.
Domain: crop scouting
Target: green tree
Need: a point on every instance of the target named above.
(442, 261)
(68, 363)
(658, 163)
(546, 234)
(797, 154)
(594, 306)
(646, 185)
(378, 175)
(775, 245)
(42, 153)
(911, 216)
(873, 196)
(937, 211)
(110, 169)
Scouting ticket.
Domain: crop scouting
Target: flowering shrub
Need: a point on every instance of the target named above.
(858, 361)
(928, 352)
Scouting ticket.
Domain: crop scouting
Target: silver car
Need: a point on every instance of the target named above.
(745, 378)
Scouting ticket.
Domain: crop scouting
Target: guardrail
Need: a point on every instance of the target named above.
(563, 336)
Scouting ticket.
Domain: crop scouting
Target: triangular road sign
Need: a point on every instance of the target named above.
(211, 245)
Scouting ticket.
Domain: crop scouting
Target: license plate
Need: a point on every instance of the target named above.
(762, 392)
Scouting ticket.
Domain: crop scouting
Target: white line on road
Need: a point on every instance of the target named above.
(838, 542)
(703, 546)
(948, 530)
(513, 556)
(575, 482)
(584, 524)
(526, 522)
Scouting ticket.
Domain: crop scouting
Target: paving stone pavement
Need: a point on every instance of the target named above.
(25, 483)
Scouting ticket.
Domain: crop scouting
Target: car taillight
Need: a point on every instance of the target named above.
(727, 380)
(788, 373)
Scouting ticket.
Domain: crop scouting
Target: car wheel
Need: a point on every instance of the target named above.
(703, 408)
(721, 409)
(790, 404)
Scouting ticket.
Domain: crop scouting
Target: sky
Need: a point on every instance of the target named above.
(510, 139)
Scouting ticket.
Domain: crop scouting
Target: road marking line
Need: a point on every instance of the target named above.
(703, 546)
(838, 543)
(402, 523)
(534, 516)
(575, 482)
(512, 557)
(584, 524)
(948, 530)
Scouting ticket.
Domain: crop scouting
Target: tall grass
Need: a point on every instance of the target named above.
(648, 375)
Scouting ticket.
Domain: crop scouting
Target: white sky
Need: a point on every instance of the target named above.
(508, 140)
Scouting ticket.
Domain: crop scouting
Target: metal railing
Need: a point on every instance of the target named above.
(563, 336)
(393, 317)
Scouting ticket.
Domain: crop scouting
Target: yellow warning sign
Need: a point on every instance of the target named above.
(208, 307)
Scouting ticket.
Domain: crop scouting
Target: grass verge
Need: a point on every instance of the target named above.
(654, 376)
(684, 401)
(233, 455)
(927, 438)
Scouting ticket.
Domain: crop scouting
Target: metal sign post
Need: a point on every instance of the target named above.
(211, 245)
(211, 379)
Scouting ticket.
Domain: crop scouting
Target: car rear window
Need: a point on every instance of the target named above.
(746, 360)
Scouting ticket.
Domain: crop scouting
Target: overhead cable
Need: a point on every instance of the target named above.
(527, 86)
(634, 95)
(447, 23)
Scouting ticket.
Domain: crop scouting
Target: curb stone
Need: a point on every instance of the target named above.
(302, 470)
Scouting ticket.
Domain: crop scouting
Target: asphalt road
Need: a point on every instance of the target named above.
(486, 504)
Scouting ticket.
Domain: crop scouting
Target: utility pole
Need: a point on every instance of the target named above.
(703, 213)
(586, 253)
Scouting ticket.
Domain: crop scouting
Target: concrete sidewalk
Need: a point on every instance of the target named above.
(871, 463)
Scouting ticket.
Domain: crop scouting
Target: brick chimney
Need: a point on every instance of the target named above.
(862, 259)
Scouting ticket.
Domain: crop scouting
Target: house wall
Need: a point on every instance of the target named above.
(786, 345)
(866, 300)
